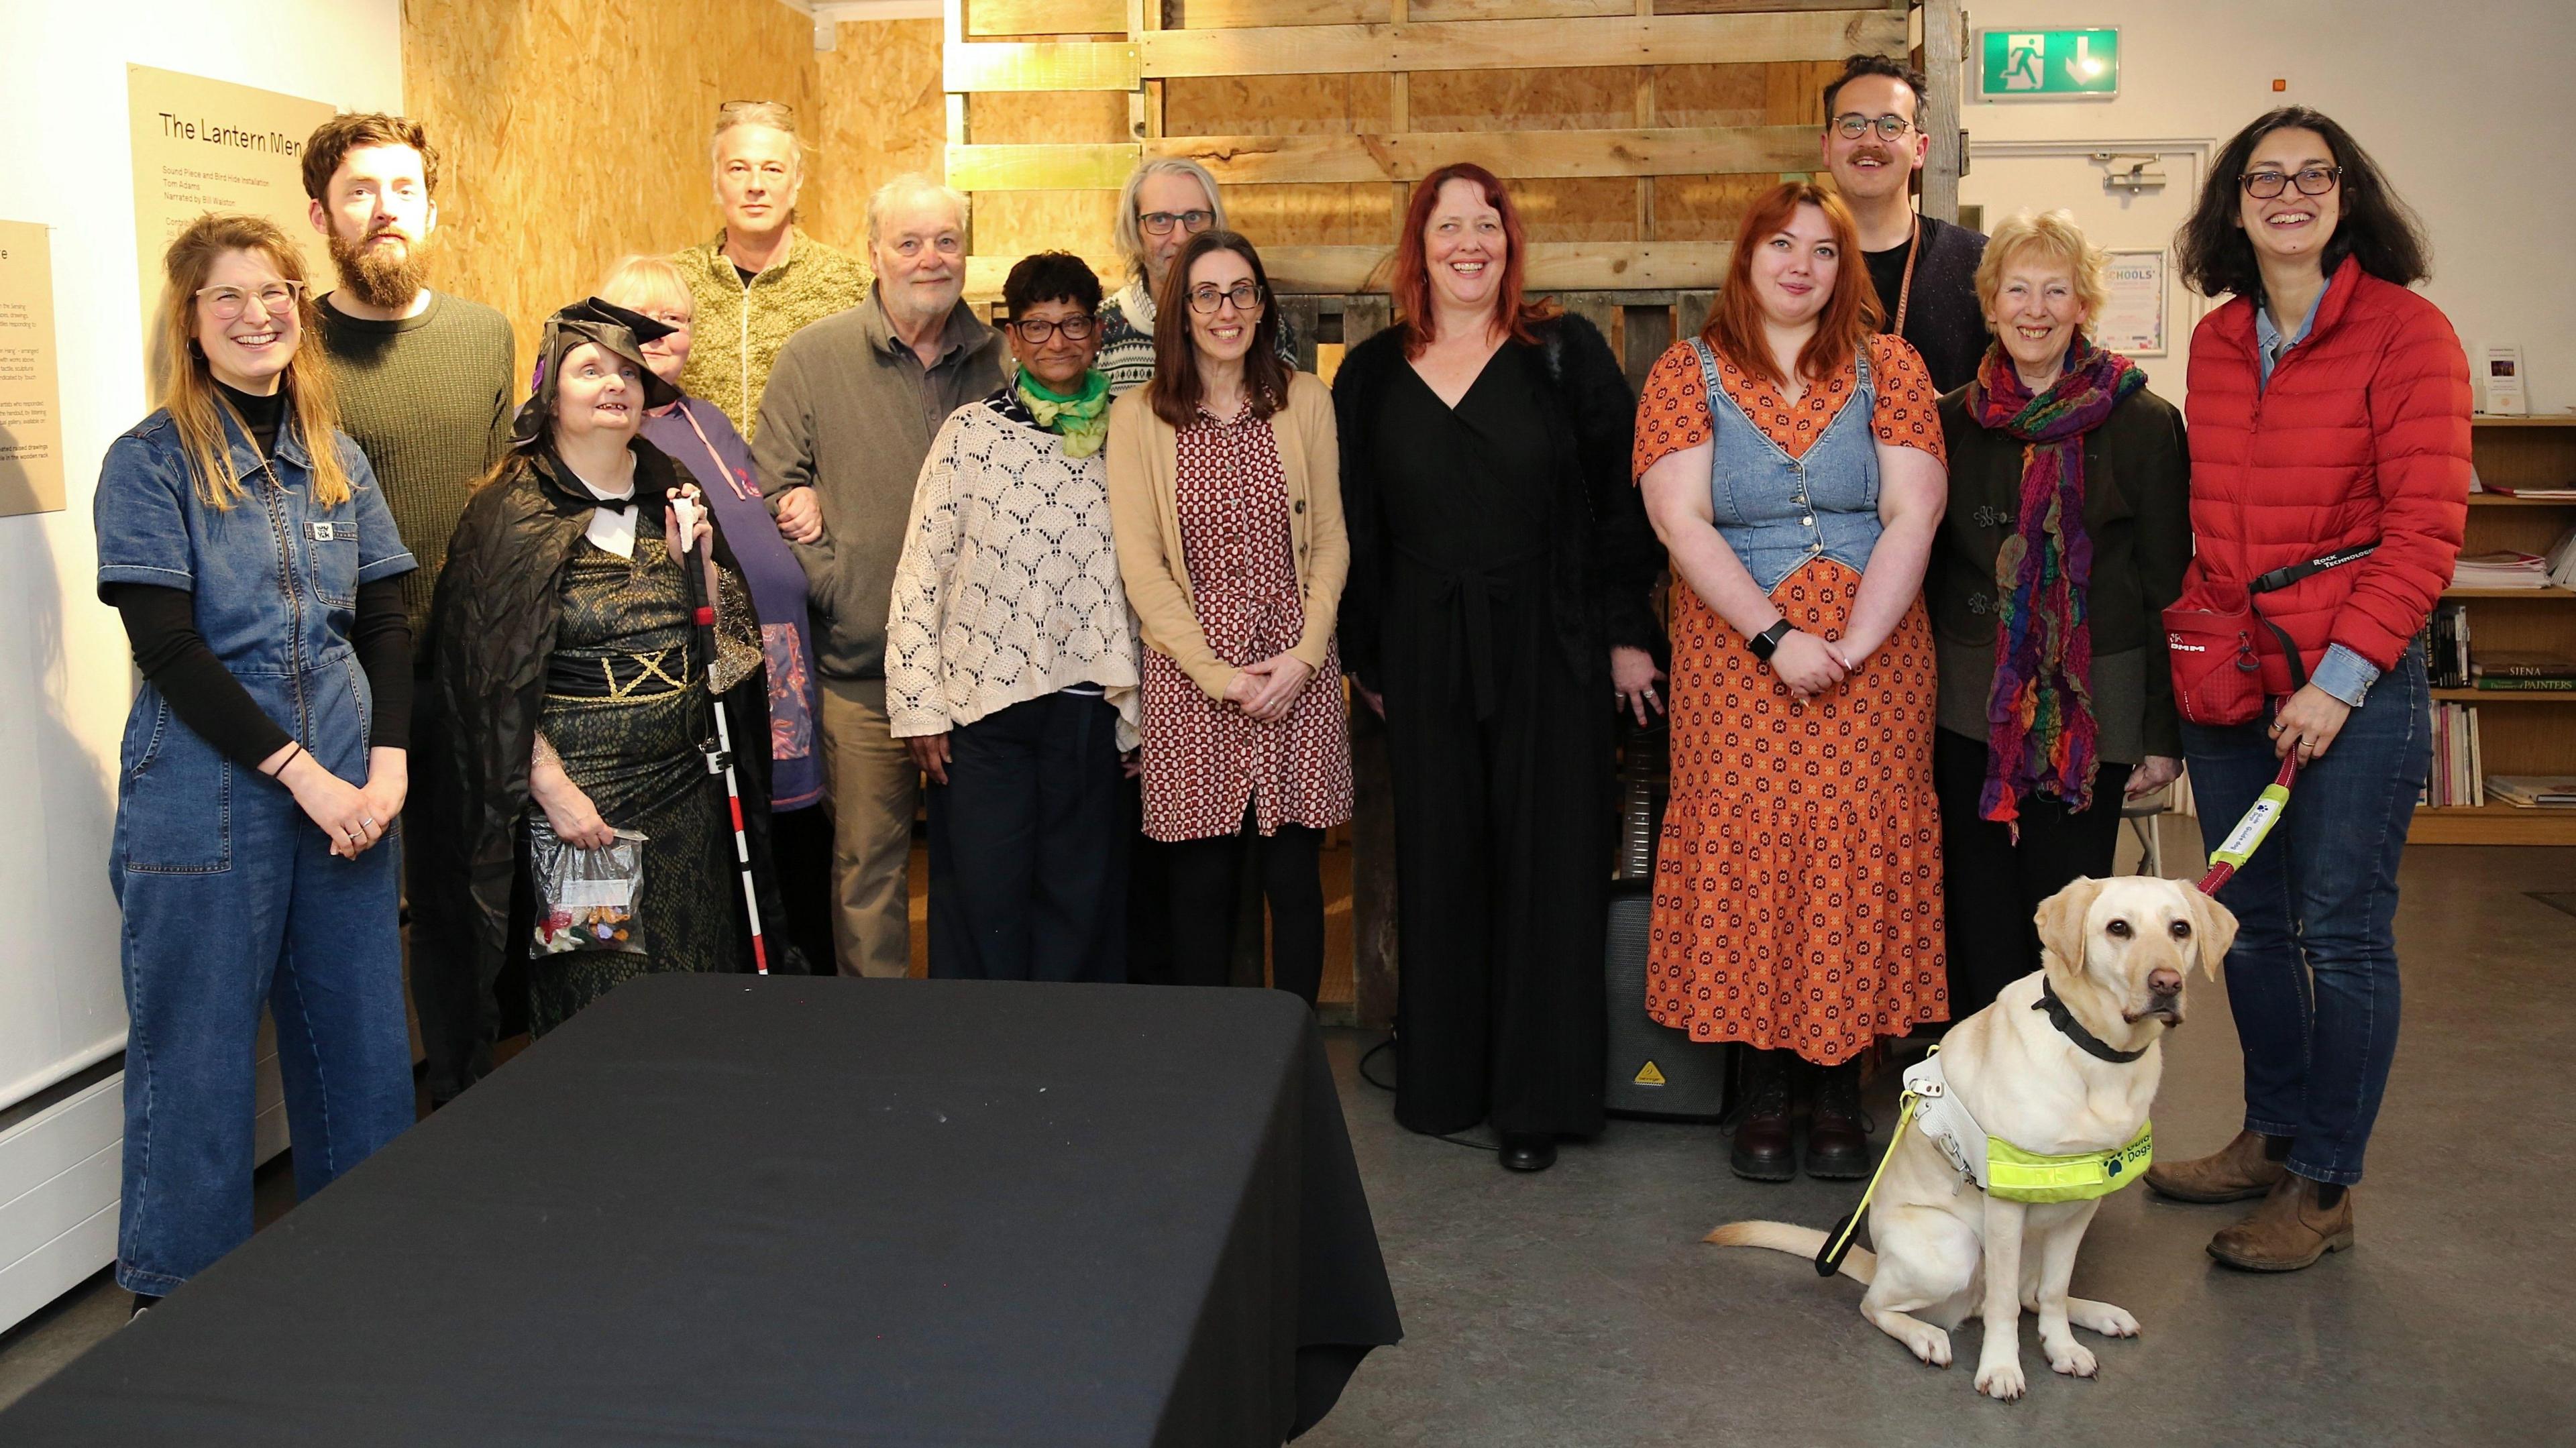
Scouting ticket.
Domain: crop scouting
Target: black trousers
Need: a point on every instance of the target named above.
(1028, 847)
(1992, 888)
(800, 848)
(1205, 880)
(460, 1017)
(1503, 837)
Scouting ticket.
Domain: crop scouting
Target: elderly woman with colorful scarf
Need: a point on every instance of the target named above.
(1011, 666)
(2068, 528)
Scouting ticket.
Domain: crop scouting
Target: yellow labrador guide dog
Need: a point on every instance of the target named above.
(2032, 1111)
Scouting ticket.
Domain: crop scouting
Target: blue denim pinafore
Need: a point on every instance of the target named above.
(1780, 513)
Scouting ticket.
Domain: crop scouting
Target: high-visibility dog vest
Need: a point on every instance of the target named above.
(1996, 1166)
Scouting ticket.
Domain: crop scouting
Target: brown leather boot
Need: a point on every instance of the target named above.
(2289, 1231)
(1837, 1130)
(2232, 1173)
(1765, 1150)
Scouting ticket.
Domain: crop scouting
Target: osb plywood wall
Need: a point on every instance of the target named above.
(575, 131)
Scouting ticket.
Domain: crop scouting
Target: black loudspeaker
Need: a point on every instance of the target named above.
(1655, 1071)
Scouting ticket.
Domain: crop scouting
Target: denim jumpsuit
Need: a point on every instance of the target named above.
(231, 896)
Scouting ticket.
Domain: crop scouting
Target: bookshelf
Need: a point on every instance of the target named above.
(2525, 732)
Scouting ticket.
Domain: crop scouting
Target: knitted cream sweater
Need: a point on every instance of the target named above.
(1008, 587)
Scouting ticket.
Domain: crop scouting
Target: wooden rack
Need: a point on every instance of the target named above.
(2528, 732)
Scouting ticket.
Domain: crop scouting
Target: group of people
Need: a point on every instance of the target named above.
(1088, 585)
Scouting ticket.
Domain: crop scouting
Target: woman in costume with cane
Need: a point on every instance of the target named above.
(2329, 410)
(565, 636)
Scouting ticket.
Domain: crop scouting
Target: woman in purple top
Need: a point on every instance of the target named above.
(697, 433)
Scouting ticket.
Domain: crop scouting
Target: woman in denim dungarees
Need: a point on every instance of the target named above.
(1793, 463)
(255, 784)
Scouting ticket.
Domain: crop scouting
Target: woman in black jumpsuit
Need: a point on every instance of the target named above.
(1500, 570)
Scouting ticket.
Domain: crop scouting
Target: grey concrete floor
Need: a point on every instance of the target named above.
(1578, 1309)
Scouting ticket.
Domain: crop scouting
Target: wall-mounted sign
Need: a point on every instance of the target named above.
(31, 396)
(208, 145)
(2133, 318)
(2043, 65)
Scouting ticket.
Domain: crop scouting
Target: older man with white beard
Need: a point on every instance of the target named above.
(1925, 269)
(426, 391)
(852, 404)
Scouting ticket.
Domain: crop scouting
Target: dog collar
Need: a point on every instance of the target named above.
(2073, 1029)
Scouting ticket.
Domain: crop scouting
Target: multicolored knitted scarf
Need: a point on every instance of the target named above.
(1081, 419)
(2039, 717)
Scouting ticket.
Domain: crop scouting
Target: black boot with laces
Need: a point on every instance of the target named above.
(1765, 1150)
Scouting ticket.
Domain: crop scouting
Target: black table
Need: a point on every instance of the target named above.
(716, 1209)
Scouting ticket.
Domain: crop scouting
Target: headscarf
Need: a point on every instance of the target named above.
(2039, 716)
(1081, 418)
(612, 327)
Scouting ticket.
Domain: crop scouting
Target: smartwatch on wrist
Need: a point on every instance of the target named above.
(1767, 642)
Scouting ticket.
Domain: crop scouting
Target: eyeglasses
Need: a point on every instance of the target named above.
(1160, 223)
(2312, 181)
(1036, 331)
(729, 107)
(275, 299)
(1204, 300)
(1854, 125)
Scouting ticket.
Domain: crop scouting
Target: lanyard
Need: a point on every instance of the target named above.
(1905, 289)
(731, 475)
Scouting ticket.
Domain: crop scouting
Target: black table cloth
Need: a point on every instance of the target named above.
(718, 1209)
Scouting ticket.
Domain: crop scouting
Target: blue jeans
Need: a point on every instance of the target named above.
(2312, 977)
(232, 899)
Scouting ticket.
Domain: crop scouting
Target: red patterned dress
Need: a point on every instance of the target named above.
(1798, 883)
(1204, 758)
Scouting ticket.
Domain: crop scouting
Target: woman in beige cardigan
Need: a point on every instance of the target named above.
(1224, 488)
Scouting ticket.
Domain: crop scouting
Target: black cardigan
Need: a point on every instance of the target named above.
(1603, 556)
(2137, 510)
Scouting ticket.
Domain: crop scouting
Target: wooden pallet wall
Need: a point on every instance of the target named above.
(1633, 131)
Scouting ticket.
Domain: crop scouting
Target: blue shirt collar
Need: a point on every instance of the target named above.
(2269, 344)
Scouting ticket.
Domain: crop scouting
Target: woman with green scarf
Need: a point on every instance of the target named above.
(1011, 666)
(2068, 527)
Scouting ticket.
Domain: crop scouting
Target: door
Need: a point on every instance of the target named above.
(2130, 197)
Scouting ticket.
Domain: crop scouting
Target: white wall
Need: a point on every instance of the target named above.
(2458, 101)
(66, 677)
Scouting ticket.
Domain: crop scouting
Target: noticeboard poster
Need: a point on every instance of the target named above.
(31, 394)
(2133, 319)
(208, 145)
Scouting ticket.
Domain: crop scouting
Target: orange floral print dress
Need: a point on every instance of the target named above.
(1798, 883)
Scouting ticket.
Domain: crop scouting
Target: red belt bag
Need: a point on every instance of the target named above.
(2217, 670)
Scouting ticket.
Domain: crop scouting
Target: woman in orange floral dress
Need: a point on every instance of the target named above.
(1792, 463)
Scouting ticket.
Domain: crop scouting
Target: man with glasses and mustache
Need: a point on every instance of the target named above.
(1925, 269)
(426, 391)
(852, 404)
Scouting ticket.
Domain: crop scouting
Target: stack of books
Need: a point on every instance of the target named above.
(2457, 781)
(2446, 656)
(2522, 670)
(2506, 569)
(2535, 791)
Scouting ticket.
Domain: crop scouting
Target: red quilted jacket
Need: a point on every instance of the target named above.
(2363, 434)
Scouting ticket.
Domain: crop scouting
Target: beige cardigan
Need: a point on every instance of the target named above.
(1144, 507)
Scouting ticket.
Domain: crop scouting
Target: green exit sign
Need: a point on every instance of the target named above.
(2029, 65)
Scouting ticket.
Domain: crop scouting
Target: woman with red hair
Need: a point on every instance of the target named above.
(1792, 463)
(1500, 569)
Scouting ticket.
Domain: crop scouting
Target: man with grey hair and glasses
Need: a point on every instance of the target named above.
(852, 405)
(1168, 200)
(762, 279)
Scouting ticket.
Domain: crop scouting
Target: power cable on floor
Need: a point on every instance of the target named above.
(1388, 1045)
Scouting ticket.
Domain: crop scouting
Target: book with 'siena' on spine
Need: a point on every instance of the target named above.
(2524, 669)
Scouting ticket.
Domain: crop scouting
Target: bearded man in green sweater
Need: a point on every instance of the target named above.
(426, 391)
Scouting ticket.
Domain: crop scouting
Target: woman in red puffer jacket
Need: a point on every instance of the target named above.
(2329, 425)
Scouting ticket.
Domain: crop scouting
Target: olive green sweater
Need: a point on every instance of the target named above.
(429, 400)
(737, 327)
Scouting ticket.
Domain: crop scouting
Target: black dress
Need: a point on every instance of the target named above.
(1469, 523)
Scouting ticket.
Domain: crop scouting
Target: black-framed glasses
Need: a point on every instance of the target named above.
(1854, 125)
(1037, 331)
(1206, 298)
(2311, 181)
(1160, 223)
(275, 299)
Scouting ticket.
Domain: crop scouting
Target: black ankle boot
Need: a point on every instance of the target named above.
(1837, 1129)
(1764, 1149)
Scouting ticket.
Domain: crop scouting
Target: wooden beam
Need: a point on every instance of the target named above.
(1945, 48)
(1094, 167)
(1492, 45)
(1554, 266)
(1653, 151)
(1046, 17)
(1042, 65)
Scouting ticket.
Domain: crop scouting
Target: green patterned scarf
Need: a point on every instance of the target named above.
(1081, 419)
